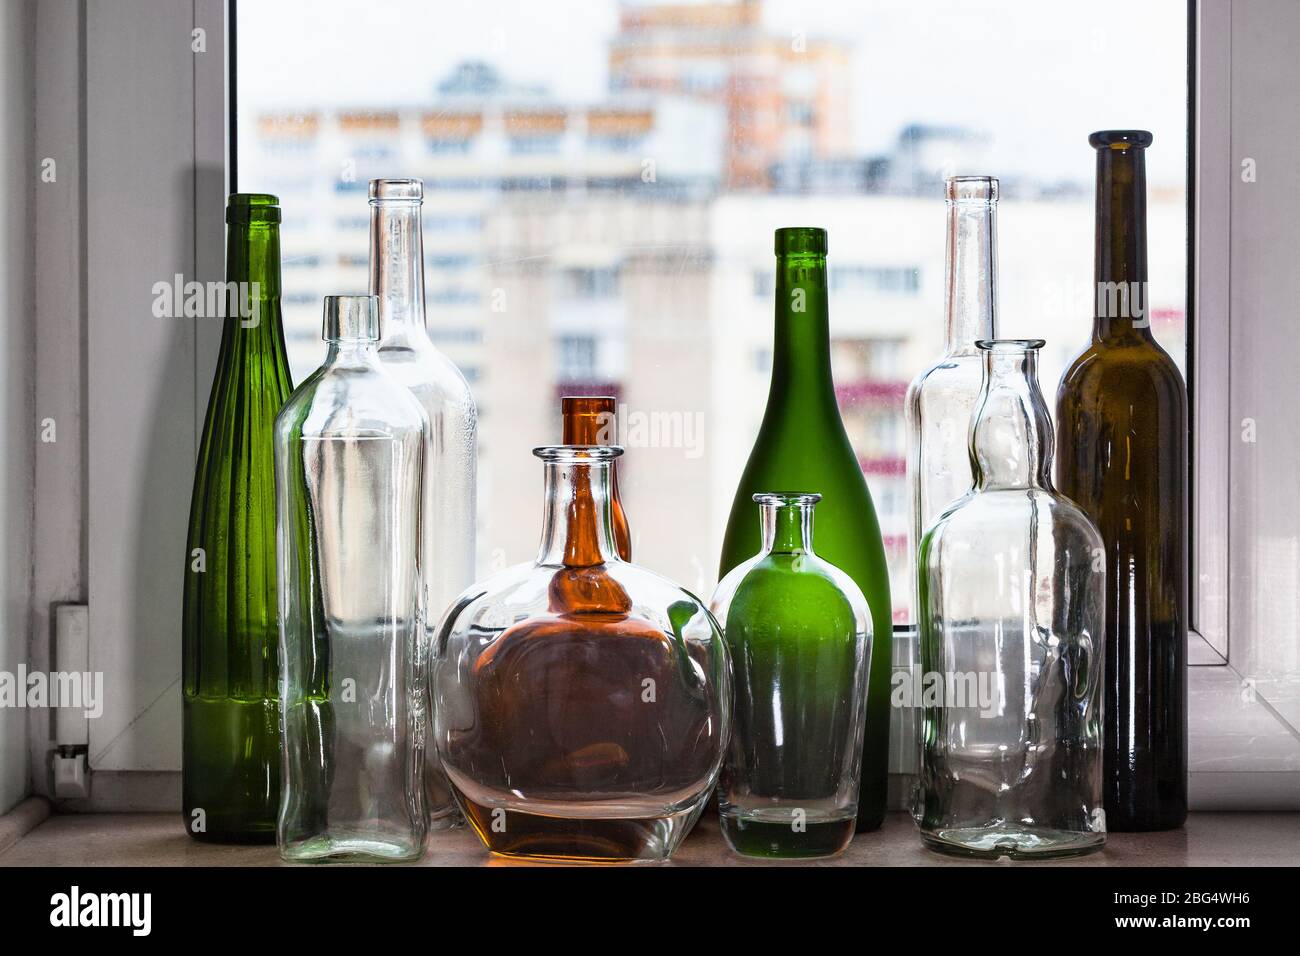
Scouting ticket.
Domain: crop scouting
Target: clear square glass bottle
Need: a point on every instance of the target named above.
(348, 458)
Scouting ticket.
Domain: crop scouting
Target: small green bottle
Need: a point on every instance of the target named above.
(231, 730)
(799, 633)
(802, 444)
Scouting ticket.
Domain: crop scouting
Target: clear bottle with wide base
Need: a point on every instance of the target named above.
(799, 634)
(581, 704)
(1012, 591)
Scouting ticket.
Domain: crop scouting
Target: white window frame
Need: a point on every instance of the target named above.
(138, 399)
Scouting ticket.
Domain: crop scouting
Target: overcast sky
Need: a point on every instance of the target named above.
(1037, 74)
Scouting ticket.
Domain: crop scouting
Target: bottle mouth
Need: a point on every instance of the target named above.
(243, 208)
(1120, 139)
(801, 241)
(1006, 346)
(787, 498)
(587, 404)
(351, 318)
(982, 189)
(577, 454)
(397, 190)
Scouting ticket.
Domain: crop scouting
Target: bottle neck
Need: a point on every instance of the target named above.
(588, 420)
(1122, 306)
(343, 354)
(1011, 436)
(970, 306)
(787, 528)
(801, 357)
(578, 527)
(397, 266)
(253, 265)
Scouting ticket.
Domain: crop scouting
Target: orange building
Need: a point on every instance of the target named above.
(786, 97)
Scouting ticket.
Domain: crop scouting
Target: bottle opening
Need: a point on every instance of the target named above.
(801, 241)
(1010, 345)
(351, 318)
(971, 189)
(578, 454)
(397, 190)
(588, 419)
(1120, 139)
(244, 208)
(787, 498)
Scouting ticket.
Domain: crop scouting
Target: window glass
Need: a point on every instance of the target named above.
(602, 181)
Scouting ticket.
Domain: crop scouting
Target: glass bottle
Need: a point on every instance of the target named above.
(941, 400)
(407, 354)
(591, 420)
(230, 703)
(1011, 602)
(581, 703)
(802, 444)
(1122, 455)
(798, 631)
(349, 459)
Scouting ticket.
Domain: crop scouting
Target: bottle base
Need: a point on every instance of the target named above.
(518, 834)
(1117, 822)
(1012, 841)
(241, 836)
(751, 835)
(350, 849)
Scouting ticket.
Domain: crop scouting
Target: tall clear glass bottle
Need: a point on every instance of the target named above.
(349, 460)
(802, 444)
(1122, 455)
(799, 633)
(408, 355)
(1012, 597)
(230, 705)
(581, 702)
(941, 400)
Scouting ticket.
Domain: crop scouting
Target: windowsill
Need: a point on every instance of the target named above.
(155, 839)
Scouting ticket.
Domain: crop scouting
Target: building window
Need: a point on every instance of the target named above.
(576, 357)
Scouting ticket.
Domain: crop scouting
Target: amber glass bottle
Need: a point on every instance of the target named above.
(581, 703)
(1121, 454)
(590, 420)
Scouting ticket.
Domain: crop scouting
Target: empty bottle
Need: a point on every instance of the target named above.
(230, 755)
(450, 453)
(1011, 627)
(349, 460)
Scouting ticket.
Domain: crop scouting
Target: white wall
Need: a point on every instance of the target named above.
(17, 421)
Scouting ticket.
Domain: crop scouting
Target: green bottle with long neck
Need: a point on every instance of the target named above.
(231, 729)
(1121, 454)
(802, 446)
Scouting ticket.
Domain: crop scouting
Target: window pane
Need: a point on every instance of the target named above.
(602, 182)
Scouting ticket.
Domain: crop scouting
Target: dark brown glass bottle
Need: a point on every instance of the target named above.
(1121, 454)
(589, 420)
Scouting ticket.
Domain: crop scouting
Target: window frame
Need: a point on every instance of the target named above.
(205, 137)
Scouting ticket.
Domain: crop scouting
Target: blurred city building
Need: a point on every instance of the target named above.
(625, 247)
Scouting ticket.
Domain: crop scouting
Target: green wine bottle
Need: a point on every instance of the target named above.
(802, 446)
(231, 719)
(1121, 454)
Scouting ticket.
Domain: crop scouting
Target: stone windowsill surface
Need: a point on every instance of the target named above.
(155, 839)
